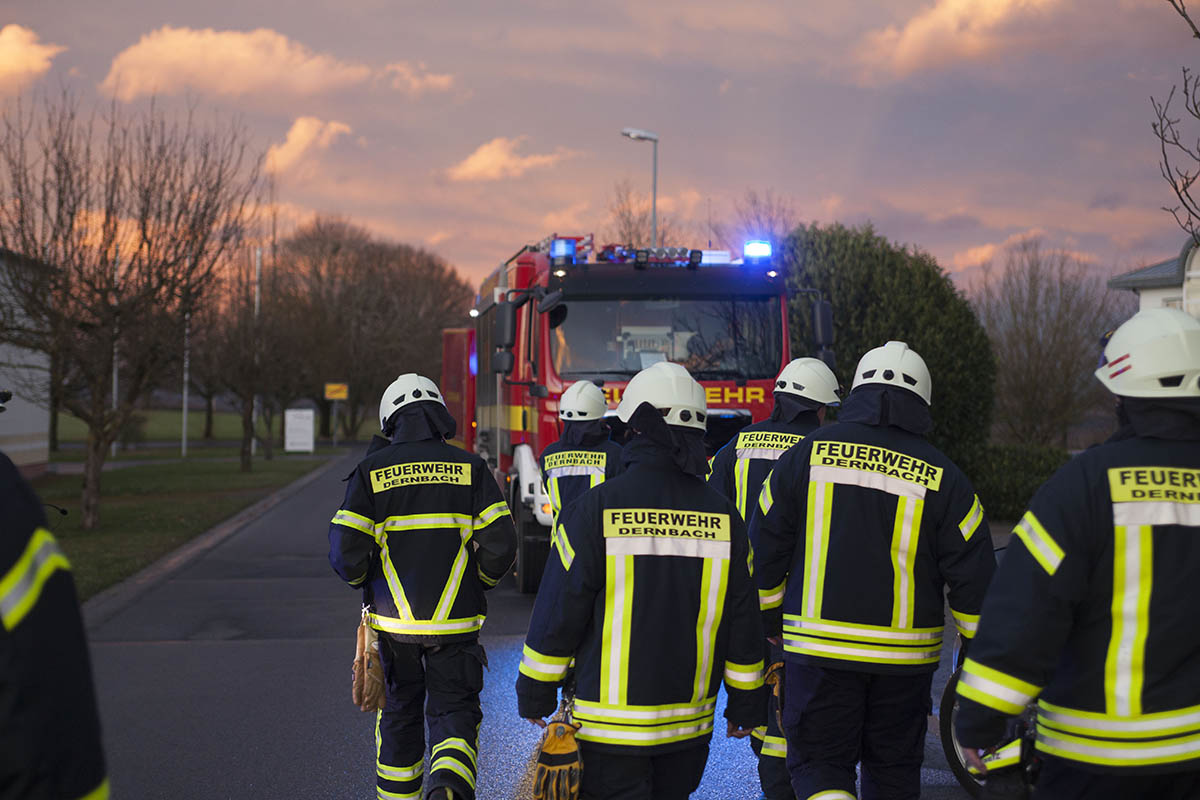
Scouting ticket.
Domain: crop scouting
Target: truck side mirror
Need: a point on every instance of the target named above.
(822, 324)
(550, 301)
(504, 331)
(503, 362)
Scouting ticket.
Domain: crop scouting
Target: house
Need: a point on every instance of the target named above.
(1174, 283)
(25, 423)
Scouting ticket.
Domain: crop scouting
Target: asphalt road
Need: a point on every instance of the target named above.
(230, 678)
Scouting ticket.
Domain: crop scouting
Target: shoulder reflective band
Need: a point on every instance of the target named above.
(541, 667)
(970, 523)
(1039, 542)
(22, 585)
(765, 499)
(876, 461)
(994, 689)
(356, 521)
(490, 514)
(420, 472)
(560, 542)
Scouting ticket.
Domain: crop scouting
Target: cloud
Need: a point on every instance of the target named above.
(567, 221)
(947, 32)
(498, 159)
(306, 135)
(415, 79)
(23, 57)
(239, 63)
(975, 256)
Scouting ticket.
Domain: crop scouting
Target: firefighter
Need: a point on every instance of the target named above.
(1093, 611)
(802, 390)
(651, 597)
(49, 726)
(424, 531)
(584, 456)
(859, 528)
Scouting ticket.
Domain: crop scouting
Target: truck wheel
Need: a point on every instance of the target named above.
(533, 547)
(954, 757)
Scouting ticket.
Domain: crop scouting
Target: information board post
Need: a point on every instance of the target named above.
(336, 392)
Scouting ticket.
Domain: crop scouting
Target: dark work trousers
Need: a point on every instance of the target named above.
(835, 718)
(770, 746)
(671, 776)
(450, 676)
(1061, 780)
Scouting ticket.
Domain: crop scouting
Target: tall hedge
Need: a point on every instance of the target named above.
(882, 291)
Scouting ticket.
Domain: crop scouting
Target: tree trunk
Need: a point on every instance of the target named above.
(55, 402)
(89, 501)
(247, 431)
(323, 406)
(268, 416)
(210, 403)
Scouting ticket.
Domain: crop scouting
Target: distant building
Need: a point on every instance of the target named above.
(25, 423)
(1174, 283)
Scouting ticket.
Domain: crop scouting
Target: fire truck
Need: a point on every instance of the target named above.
(563, 310)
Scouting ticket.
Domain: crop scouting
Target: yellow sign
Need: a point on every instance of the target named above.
(576, 458)
(713, 395)
(628, 522)
(337, 391)
(1151, 484)
(766, 440)
(420, 472)
(868, 458)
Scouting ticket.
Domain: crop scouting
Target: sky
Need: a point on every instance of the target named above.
(471, 127)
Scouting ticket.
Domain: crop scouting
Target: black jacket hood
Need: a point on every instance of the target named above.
(880, 405)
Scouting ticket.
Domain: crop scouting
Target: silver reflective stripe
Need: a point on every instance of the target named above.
(760, 453)
(1120, 753)
(19, 590)
(856, 633)
(399, 773)
(422, 522)
(867, 480)
(565, 472)
(659, 546)
(1157, 513)
(450, 592)
(897, 654)
(1157, 724)
(814, 579)
(904, 570)
(994, 689)
(743, 676)
(541, 666)
(589, 709)
(422, 626)
(972, 522)
(589, 731)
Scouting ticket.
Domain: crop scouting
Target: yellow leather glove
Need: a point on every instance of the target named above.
(774, 679)
(559, 764)
(367, 687)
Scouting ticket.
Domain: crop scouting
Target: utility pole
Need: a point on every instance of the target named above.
(187, 323)
(116, 335)
(257, 339)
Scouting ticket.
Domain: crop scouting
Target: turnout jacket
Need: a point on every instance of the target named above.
(858, 531)
(651, 597)
(1093, 613)
(50, 745)
(740, 467)
(424, 530)
(570, 470)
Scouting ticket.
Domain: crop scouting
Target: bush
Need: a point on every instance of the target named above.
(1006, 476)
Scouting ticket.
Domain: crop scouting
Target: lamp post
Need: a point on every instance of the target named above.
(639, 135)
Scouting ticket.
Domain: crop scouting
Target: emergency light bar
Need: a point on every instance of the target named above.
(756, 249)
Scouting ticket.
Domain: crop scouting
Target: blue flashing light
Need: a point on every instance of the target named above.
(562, 248)
(757, 248)
(473, 363)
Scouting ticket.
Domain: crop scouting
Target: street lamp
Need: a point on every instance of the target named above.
(639, 135)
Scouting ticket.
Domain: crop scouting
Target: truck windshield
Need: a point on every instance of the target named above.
(716, 339)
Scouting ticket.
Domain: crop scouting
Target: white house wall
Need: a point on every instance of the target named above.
(24, 425)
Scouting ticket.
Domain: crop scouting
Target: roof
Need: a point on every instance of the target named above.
(1163, 275)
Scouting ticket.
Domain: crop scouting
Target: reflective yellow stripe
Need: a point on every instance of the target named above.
(1104, 726)
(741, 491)
(994, 689)
(967, 624)
(866, 653)
(408, 773)
(454, 765)
(21, 586)
(970, 523)
(765, 500)
(643, 735)
(744, 676)
(456, 743)
(490, 514)
(356, 521)
(384, 794)
(618, 617)
(541, 667)
(611, 714)
(454, 582)
(816, 546)
(863, 634)
(421, 522)
(714, 578)
(1039, 542)
(831, 794)
(566, 553)
(1117, 754)
(99, 793)
(1124, 665)
(425, 627)
(906, 530)
(393, 581)
(772, 746)
(1008, 755)
(486, 579)
(772, 598)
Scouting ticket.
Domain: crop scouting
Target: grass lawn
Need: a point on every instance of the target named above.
(163, 425)
(148, 511)
(196, 452)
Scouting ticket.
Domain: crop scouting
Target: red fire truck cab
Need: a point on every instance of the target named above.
(562, 311)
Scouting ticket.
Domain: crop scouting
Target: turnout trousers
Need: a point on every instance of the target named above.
(833, 719)
(1062, 780)
(438, 684)
(769, 744)
(670, 776)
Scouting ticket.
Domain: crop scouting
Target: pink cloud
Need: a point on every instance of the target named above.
(498, 159)
(306, 135)
(23, 57)
(415, 79)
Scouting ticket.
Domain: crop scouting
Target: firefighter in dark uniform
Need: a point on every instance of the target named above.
(1093, 610)
(585, 455)
(802, 390)
(424, 531)
(860, 527)
(651, 596)
(49, 727)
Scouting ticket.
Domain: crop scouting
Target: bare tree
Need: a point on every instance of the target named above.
(765, 215)
(122, 219)
(1179, 159)
(629, 220)
(1044, 314)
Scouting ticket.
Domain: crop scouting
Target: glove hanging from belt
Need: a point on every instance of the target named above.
(367, 688)
(559, 764)
(774, 679)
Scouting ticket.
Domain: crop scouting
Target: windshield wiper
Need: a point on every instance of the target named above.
(720, 375)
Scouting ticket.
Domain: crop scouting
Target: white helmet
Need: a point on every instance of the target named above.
(895, 364)
(669, 388)
(409, 388)
(582, 400)
(1155, 353)
(809, 378)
